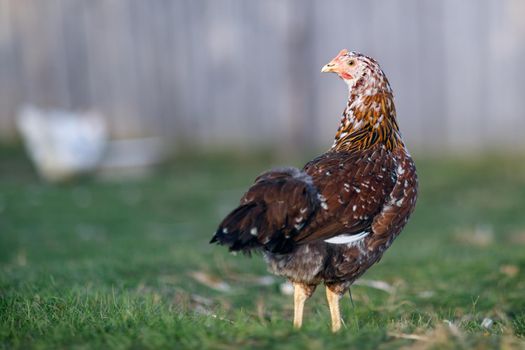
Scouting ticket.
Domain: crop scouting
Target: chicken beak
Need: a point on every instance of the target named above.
(328, 68)
(332, 67)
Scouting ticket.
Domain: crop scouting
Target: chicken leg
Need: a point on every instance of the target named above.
(333, 298)
(302, 292)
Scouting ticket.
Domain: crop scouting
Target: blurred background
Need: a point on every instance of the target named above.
(246, 74)
(197, 97)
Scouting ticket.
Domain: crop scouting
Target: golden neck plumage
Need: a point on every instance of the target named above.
(369, 119)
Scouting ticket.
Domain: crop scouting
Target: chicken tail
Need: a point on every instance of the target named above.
(245, 229)
(238, 230)
(271, 213)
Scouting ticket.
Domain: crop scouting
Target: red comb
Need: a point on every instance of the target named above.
(342, 53)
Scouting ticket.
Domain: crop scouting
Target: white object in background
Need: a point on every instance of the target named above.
(60, 143)
(131, 157)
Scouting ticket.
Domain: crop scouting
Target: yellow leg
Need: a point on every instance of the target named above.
(333, 304)
(301, 293)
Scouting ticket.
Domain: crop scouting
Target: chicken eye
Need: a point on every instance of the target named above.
(351, 62)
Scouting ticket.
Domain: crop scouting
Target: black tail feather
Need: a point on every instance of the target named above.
(246, 229)
(239, 230)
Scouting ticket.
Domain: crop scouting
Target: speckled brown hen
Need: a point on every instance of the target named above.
(331, 221)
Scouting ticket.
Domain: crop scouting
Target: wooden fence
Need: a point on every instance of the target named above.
(247, 73)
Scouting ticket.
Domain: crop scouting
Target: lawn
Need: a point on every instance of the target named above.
(127, 264)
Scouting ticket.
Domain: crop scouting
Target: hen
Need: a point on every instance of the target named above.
(332, 220)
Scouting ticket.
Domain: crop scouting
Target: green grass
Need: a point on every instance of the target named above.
(99, 264)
